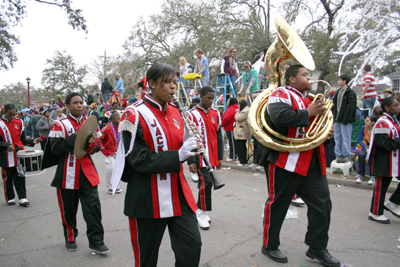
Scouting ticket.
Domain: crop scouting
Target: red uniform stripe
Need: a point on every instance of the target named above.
(202, 191)
(154, 189)
(267, 213)
(70, 231)
(4, 174)
(175, 194)
(77, 173)
(135, 240)
(378, 188)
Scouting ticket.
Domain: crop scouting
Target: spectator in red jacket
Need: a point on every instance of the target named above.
(227, 122)
(109, 141)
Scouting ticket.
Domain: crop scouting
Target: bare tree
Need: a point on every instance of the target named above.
(63, 74)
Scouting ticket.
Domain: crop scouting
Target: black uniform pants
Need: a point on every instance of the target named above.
(147, 233)
(68, 201)
(241, 150)
(378, 197)
(204, 185)
(14, 178)
(313, 189)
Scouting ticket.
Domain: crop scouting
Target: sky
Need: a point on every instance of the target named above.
(45, 29)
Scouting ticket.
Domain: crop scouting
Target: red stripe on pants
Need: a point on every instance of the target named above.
(4, 174)
(202, 191)
(134, 240)
(70, 231)
(267, 213)
(378, 188)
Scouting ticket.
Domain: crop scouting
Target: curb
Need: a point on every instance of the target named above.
(331, 180)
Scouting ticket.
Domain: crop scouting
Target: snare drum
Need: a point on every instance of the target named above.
(29, 161)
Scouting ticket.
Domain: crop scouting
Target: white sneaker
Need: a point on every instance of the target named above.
(378, 218)
(228, 159)
(195, 176)
(298, 202)
(11, 202)
(253, 165)
(393, 208)
(202, 219)
(237, 161)
(260, 167)
(23, 202)
(371, 181)
(359, 179)
(208, 217)
(240, 164)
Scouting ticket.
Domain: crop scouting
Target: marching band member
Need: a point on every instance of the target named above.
(157, 193)
(109, 141)
(12, 138)
(208, 121)
(384, 149)
(289, 110)
(77, 179)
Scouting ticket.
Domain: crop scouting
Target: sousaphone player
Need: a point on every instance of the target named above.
(292, 170)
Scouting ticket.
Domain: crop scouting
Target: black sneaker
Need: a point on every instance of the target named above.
(100, 249)
(71, 246)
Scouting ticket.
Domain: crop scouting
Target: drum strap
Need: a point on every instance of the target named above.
(7, 137)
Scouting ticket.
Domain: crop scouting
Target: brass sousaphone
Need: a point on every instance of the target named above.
(287, 46)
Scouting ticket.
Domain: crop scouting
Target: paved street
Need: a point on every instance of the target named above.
(33, 236)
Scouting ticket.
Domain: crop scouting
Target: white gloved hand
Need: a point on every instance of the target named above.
(186, 150)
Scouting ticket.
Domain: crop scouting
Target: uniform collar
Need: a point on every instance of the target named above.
(77, 120)
(394, 119)
(202, 109)
(303, 95)
(152, 102)
(4, 118)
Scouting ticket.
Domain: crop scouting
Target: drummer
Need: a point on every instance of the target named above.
(12, 139)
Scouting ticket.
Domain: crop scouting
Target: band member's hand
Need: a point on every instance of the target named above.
(193, 168)
(92, 139)
(316, 108)
(330, 134)
(37, 140)
(219, 164)
(186, 150)
(362, 98)
(10, 148)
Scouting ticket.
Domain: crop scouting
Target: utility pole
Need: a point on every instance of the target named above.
(105, 62)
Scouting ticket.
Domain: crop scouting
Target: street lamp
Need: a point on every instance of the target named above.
(28, 80)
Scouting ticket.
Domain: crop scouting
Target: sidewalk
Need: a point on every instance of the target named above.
(334, 178)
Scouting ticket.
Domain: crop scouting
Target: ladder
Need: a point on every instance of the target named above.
(182, 87)
(222, 82)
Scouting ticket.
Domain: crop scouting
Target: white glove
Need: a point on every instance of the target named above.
(186, 150)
